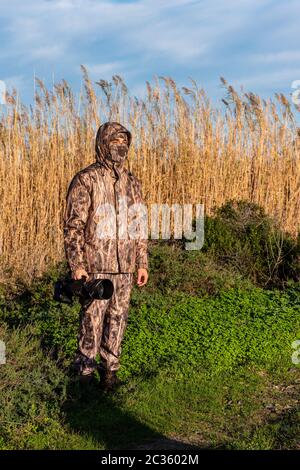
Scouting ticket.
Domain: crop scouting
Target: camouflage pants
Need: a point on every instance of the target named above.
(102, 326)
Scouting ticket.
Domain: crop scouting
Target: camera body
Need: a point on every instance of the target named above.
(87, 291)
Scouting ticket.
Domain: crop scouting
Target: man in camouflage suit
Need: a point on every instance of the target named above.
(89, 253)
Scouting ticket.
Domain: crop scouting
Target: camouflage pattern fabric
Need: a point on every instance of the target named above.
(102, 327)
(103, 183)
(103, 323)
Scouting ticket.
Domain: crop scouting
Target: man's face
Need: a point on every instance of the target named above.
(118, 147)
(119, 138)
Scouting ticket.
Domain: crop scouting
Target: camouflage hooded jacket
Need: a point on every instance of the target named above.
(100, 185)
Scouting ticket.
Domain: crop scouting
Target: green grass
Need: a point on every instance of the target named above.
(195, 369)
(206, 357)
(226, 411)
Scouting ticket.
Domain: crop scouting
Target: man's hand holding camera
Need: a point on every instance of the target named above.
(142, 275)
(79, 273)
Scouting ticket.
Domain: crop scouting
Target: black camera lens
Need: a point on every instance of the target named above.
(104, 289)
(100, 289)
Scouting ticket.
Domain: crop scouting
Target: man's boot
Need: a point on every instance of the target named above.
(109, 380)
(85, 378)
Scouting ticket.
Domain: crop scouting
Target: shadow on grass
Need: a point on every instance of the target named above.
(99, 414)
(287, 434)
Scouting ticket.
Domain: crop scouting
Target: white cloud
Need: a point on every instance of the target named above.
(19, 82)
(179, 30)
(107, 68)
(276, 57)
(131, 39)
(48, 52)
(270, 79)
(16, 81)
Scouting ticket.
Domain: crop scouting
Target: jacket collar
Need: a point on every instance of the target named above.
(104, 170)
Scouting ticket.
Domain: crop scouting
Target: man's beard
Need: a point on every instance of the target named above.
(118, 153)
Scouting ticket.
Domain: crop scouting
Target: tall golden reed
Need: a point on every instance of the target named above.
(184, 151)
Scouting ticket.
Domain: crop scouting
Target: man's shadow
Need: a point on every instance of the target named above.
(98, 414)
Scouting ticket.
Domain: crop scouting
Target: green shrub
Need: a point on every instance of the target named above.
(32, 389)
(174, 269)
(242, 236)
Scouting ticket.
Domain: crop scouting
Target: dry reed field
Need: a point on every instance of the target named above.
(184, 151)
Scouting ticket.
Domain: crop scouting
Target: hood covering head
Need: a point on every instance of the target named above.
(107, 132)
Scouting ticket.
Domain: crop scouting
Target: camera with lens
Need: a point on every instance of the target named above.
(87, 291)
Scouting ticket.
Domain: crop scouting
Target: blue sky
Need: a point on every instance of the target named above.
(254, 43)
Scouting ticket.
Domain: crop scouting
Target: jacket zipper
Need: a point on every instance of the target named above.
(117, 233)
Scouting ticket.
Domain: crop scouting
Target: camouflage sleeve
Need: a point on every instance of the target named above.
(78, 201)
(141, 243)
